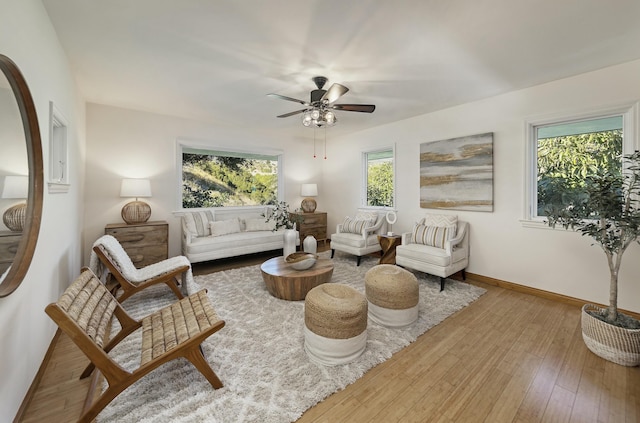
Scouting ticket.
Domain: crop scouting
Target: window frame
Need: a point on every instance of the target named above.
(365, 181)
(630, 125)
(181, 145)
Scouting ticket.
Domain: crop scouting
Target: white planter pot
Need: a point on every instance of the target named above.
(310, 245)
(289, 247)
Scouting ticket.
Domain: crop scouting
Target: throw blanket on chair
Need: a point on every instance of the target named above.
(129, 271)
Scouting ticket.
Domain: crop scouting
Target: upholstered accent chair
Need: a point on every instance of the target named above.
(438, 245)
(358, 235)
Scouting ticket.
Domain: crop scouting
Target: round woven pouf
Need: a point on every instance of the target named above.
(335, 324)
(393, 295)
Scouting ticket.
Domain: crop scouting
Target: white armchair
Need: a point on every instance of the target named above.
(359, 235)
(437, 251)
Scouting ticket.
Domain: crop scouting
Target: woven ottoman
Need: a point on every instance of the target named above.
(335, 324)
(393, 295)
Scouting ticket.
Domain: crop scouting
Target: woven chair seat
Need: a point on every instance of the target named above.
(165, 329)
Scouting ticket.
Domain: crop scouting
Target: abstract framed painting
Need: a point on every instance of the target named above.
(457, 173)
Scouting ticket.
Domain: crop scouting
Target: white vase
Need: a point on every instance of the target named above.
(289, 246)
(310, 245)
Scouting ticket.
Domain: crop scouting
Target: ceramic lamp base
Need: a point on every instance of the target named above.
(308, 205)
(14, 217)
(136, 212)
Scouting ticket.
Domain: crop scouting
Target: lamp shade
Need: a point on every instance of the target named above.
(309, 190)
(135, 188)
(15, 186)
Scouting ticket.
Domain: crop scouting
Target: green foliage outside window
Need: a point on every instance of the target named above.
(380, 183)
(216, 180)
(567, 164)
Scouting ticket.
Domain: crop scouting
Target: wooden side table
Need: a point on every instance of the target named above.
(146, 243)
(314, 224)
(389, 244)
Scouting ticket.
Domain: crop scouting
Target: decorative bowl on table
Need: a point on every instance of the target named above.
(301, 260)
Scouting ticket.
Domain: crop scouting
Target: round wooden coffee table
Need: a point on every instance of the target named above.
(285, 282)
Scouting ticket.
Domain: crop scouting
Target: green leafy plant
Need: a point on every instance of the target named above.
(281, 215)
(611, 201)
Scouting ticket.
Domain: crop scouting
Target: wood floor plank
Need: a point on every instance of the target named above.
(559, 406)
(507, 357)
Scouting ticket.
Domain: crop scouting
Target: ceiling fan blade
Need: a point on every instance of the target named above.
(364, 108)
(289, 99)
(297, 112)
(334, 92)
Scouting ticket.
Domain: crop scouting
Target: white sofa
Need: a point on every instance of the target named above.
(215, 233)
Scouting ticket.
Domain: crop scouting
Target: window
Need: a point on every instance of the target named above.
(566, 153)
(378, 167)
(215, 178)
(59, 163)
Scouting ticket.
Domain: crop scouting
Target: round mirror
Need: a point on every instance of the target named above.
(21, 177)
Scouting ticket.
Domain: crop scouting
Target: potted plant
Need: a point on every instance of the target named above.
(610, 201)
(282, 217)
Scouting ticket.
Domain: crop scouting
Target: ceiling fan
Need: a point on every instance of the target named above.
(318, 112)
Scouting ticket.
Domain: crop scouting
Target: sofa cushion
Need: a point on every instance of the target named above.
(355, 226)
(233, 241)
(252, 225)
(197, 222)
(225, 227)
(434, 236)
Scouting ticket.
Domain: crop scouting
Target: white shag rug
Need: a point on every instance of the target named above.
(259, 354)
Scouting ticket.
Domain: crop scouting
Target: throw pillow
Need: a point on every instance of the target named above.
(197, 222)
(434, 236)
(355, 226)
(439, 220)
(225, 227)
(251, 225)
(367, 215)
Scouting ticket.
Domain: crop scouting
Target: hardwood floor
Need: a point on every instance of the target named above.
(507, 357)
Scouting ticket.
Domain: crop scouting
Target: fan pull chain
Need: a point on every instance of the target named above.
(325, 143)
(314, 143)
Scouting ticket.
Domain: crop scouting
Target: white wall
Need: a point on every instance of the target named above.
(28, 38)
(552, 260)
(130, 144)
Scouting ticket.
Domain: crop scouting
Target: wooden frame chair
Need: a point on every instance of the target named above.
(85, 310)
(114, 257)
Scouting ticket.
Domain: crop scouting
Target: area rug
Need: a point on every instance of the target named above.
(259, 354)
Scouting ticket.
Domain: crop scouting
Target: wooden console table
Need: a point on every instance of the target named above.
(9, 242)
(389, 244)
(314, 224)
(146, 243)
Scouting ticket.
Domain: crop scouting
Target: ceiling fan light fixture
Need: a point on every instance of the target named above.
(318, 118)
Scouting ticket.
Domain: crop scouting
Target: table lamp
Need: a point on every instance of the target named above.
(309, 204)
(16, 187)
(135, 212)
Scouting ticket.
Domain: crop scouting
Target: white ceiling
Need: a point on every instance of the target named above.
(215, 60)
